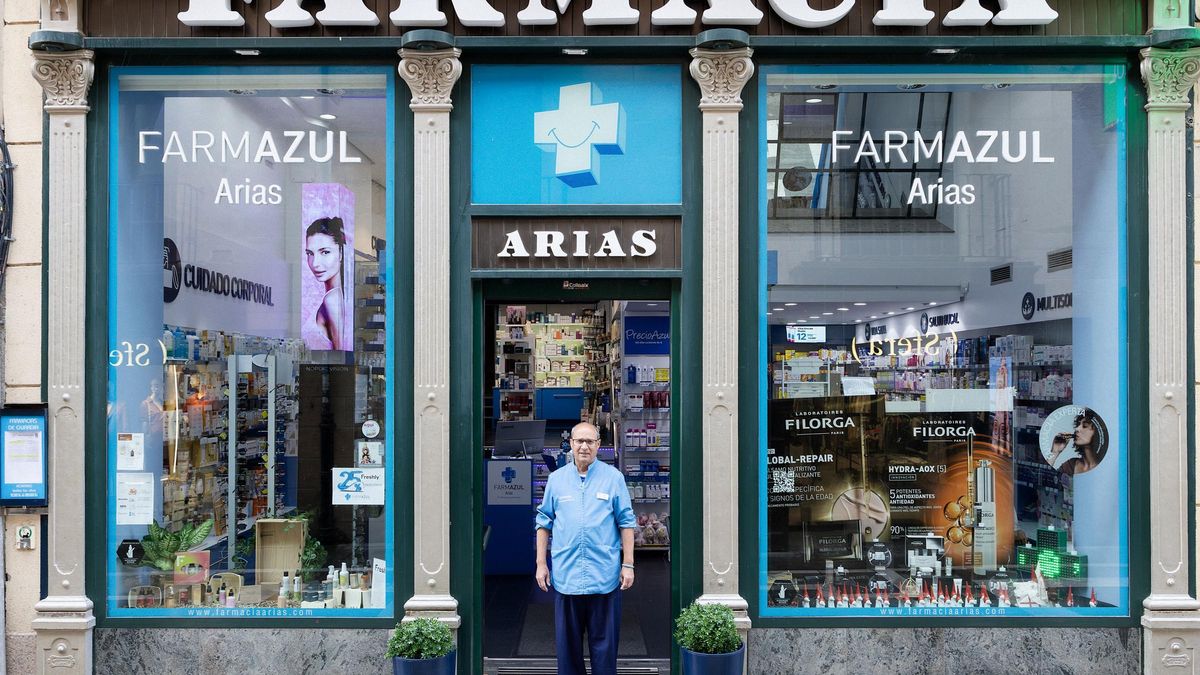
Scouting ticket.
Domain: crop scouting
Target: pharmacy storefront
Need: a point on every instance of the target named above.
(880, 311)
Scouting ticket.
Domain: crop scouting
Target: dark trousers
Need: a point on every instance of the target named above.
(600, 617)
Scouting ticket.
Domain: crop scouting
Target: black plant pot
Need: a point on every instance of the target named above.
(443, 665)
(696, 663)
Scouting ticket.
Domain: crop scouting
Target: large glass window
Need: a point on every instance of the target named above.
(946, 418)
(250, 445)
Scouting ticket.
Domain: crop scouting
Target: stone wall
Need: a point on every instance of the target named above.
(1004, 651)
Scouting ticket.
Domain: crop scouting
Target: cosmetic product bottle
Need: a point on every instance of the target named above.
(282, 601)
(878, 554)
(344, 577)
(804, 602)
(285, 584)
(207, 598)
(1070, 597)
(222, 595)
(231, 598)
(1092, 601)
(297, 593)
(984, 600)
(364, 581)
(171, 601)
(879, 581)
(949, 565)
(985, 519)
(1000, 581)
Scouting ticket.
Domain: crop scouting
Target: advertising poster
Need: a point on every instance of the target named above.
(24, 468)
(826, 488)
(358, 487)
(948, 479)
(327, 275)
(135, 498)
(647, 335)
(858, 494)
(510, 483)
(131, 451)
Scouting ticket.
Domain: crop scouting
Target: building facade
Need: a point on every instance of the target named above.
(882, 311)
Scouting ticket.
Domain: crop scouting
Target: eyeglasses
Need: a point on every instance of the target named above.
(586, 441)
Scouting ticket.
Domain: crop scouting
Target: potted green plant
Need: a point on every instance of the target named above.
(160, 545)
(422, 646)
(709, 640)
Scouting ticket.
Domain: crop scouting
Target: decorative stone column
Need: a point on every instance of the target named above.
(64, 617)
(721, 75)
(1171, 622)
(430, 76)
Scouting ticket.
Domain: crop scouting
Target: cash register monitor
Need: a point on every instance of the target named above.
(519, 438)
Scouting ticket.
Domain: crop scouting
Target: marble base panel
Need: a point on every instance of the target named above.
(21, 652)
(916, 651)
(186, 651)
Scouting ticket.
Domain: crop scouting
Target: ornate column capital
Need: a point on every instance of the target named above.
(1169, 76)
(430, 76)
(721, 75)
(66, 78)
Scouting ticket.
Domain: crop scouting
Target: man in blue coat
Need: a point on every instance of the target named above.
(587, 507)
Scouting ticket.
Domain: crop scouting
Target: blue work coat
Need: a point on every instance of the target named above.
(585, 518)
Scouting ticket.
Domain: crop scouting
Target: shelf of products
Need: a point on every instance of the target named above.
(642, 391)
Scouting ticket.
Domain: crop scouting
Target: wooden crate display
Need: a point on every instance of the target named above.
(278, 543)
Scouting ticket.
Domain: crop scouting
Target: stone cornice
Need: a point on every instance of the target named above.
(721, 75)
(1169, 76)
(430, 76)
(65, 77)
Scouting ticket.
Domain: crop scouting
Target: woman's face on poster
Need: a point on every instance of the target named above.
(1085, 432)
(324, 257)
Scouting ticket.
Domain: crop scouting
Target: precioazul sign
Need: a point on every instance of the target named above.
(479, 13)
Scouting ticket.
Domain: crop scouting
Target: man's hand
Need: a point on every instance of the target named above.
(543, 577)
(626, 578)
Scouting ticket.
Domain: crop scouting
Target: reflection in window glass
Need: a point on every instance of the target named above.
(946, 424)
(250, 459)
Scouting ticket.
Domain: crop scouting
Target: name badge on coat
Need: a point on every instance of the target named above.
(602, 495)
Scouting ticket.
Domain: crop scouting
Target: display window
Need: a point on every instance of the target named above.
(250, 453)
(945, 418)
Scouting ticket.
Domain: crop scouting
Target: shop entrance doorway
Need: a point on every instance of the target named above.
(548, 365)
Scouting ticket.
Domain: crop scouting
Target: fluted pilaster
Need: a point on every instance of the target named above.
(64, 617)
(431, 76)
(1171, 621)
(721, 76)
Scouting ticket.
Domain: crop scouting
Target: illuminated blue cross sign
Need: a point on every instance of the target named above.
(579, 130)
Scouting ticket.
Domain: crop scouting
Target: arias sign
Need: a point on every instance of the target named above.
(481, 14)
